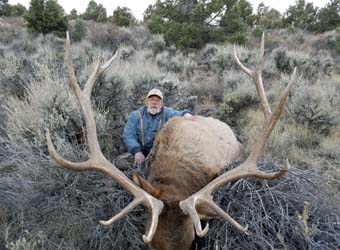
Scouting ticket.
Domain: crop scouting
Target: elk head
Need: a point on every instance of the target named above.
(172, 228)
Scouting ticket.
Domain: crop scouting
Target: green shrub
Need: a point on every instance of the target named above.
(141, 36)
(47, 105)
(338, 44)
(168, 62)
(11, 29)
(26, 44)
(172, 88)
(330, 149)
(233, 104)
(176, 63)
(219, 59)
(208, 89)
(156, 44)
(95, 12)
(110, 36)
(239, 95)
(209, 51)
(237, 38)
(292, 30)
(123, 17)
(337, 40)
(103, 35)
(315, 107)
(310, 66)
(126, 53)
(78, 30)
(11, 83)
(257, 32)
(19, 61)
(304, 137)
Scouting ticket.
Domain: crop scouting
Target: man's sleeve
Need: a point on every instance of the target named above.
(172, 113)
(131, 135)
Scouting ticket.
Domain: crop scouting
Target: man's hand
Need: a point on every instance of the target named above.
(189, 116)
(139, 158)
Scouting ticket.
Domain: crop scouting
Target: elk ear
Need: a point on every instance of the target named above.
(144, 184)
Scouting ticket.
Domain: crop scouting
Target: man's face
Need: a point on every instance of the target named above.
(154, 104)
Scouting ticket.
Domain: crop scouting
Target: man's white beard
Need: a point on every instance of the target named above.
(154, 110)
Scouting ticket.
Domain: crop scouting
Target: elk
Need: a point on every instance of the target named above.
(184, 164)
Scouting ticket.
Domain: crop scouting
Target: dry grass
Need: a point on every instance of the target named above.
(44, 207)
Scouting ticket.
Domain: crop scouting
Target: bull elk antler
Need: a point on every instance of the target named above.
(97, 160)
(249, 167)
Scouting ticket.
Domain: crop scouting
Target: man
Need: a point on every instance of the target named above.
(143, 124)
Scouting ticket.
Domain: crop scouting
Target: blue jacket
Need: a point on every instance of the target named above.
(151, 125)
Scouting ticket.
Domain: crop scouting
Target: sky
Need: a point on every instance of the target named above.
(138, 7)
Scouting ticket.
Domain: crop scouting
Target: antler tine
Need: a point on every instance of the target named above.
(122, 213)
(85, 103)
(97, 160)
(261, 54)
(59, 159)
(247, 169)
(257, 153)
(156, 211)
(72, 76)
(259, 83)
(244, 68)
(257, 77)
(188, 206)
(96, 73)
(204, 197)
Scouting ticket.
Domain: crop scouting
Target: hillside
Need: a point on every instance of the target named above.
(45, 207)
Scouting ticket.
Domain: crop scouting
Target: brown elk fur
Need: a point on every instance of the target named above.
(185, 157)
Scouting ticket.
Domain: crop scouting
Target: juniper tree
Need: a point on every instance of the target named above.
(95, 12)
(17, 10)
(301, 15)
(123, 17)
(45, 16)
(329, 16)
(193, 23)
(4, 8)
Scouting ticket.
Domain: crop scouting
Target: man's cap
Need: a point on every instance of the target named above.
(155, 92)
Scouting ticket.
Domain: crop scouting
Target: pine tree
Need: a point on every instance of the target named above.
(45, 17)
(55, 19)
(192, 23)
(79, 30)
(73, 14)
(235, 21)
(35, 16)
(123, 17)
(329, 16)
(17, 10)
(95, 12)
(302, 15)
(4, 8)
(268, 18)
